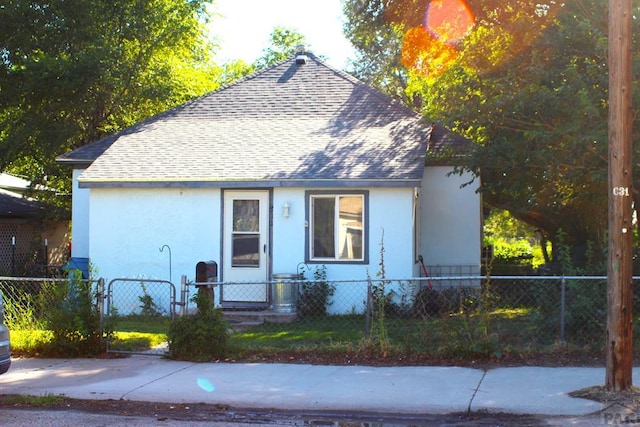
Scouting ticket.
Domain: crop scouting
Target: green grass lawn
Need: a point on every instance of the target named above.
(138, 333)
(455, 335)
(286, 336)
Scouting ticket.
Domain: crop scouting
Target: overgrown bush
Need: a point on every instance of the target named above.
(201, 336)
(73, 317)
(468, 323)
(585, 308)
(399, 304)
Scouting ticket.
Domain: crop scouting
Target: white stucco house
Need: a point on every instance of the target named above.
(298, 163)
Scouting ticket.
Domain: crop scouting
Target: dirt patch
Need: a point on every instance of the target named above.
(556, 359)
(160, 411)
(602, 395)
(202, 412)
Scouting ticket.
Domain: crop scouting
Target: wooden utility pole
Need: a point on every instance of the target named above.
(619, 272)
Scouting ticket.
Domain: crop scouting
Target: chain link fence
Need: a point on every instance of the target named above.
(455, 315)
(29, 301)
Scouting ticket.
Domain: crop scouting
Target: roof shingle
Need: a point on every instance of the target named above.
(286, 125)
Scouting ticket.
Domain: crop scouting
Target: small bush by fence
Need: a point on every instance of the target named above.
(67, 312)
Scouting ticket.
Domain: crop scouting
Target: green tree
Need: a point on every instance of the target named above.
(73, 71)
(375, 28)
(283, 43)
(527, 83)
(234, 70)
(538, 116)
(513, 241)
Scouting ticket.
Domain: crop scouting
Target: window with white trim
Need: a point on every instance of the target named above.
(337, 224)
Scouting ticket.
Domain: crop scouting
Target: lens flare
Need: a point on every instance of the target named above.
(425, 54)
(431, 48)
(479, 35)
(449, 20)
(206, 385)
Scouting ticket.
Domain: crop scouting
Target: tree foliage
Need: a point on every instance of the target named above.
(528, 85)
(283, 43)
(73, 71)
(538, 115)
(375, 30)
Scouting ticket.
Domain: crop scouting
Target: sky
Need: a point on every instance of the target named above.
(242, 27)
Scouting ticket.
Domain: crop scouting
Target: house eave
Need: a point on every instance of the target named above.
(75, 163)
(307, 183)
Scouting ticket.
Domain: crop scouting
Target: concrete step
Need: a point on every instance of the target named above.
(257, 317)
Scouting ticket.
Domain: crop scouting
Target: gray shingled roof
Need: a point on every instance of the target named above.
(13, 205)
(289, 125)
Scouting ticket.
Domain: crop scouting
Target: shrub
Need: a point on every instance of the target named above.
(201, 336)
(428, 303)
(585, 308)
(73, 317)
(315, 295)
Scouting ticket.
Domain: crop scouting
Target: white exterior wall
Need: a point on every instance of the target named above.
(450, 219)
(391, 219)
(79, 218)
(390, 211)
(392, 227)
(288, 233)
(129, 226)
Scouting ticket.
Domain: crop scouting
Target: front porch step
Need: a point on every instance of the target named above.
(248, 318)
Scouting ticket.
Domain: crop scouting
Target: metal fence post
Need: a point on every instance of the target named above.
(100, 300)
(563, 288)
(368, 311)
(183, 295)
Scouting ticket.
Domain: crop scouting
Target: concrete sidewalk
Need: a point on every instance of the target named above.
(386, 390)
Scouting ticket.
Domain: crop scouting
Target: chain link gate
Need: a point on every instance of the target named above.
(140, 309)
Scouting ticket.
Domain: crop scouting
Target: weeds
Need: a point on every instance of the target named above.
(29, 400)
(491, 318)
(148, 307)
(21, 312)
(315, 296)
(72, 316)
(377, 301)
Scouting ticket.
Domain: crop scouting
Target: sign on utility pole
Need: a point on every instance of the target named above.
(619, 272)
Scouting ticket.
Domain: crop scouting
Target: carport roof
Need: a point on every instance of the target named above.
(14, 205)
(291, 124)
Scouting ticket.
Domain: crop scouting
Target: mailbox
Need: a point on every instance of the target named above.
(206, 271)
(207, 274)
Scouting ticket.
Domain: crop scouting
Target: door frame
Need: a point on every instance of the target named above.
(262, 290)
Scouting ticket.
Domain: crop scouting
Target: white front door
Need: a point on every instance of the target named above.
(245, 245)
